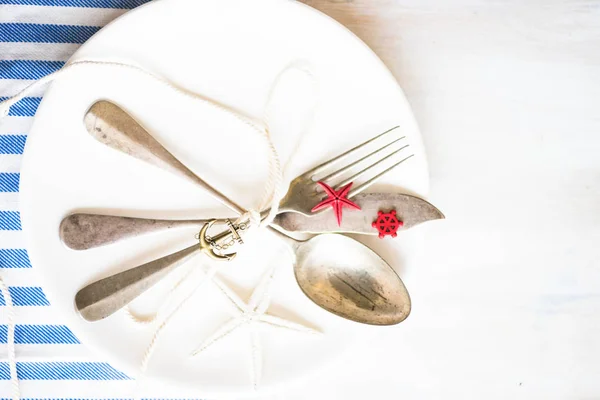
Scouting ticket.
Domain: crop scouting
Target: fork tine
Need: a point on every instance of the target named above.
(351, 165)
(371, 181)
(327, 164)
(362, 172)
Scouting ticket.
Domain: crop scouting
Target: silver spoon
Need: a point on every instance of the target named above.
(357, 285)
(349, 279)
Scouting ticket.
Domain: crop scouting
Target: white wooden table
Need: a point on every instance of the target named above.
(506, 302)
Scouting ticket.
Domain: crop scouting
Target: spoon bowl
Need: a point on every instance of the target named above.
(347, 278)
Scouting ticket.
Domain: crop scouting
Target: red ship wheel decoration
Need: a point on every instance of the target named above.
(387, 224)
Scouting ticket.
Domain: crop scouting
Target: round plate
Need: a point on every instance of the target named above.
(229, 51)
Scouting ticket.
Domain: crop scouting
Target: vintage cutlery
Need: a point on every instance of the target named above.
(305, 192)
(349, 279)
(104, 297)
(113, 127)
(336, 272)
(411, 210)
(85, 231)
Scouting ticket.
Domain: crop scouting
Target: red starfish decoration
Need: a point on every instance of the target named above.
(337, 200)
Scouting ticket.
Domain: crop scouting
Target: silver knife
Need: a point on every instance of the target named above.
(410, 210)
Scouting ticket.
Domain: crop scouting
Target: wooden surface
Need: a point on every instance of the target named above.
(506, 301)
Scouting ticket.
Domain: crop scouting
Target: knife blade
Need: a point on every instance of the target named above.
(411, 210)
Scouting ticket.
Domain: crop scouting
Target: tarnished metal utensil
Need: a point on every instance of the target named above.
(410, 210)
(347, 278)
(86, 231)
(113, 127)
(106, 296)
(336, 272)
(103, 298)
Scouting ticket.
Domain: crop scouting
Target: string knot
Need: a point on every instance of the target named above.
(253, 216)
(249, 219)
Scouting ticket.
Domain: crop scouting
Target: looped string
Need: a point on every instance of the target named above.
(272, 194)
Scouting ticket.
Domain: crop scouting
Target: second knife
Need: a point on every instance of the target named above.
(86, 231)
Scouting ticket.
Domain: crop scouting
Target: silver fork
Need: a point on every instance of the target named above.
(115, 128)
(85, 231)
(304, 191)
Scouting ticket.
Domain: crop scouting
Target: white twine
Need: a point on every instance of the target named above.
(271, 197)
(163, 324)
(272, 193)
(305, 68)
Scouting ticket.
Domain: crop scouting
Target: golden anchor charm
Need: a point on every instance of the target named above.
(207, 246)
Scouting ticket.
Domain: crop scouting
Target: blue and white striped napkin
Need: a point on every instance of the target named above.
(36, 38)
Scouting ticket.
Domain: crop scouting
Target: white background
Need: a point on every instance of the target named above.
(506, 301)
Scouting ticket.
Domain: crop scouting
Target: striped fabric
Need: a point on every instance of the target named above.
(14, 258)
(10, 221)
(9, 182)
(85, 371)
(26, 296)
(40, 334)
(25, 108)
(27, 69)
(125, 4)
(36, 38)
(38, 33)
(12, 144)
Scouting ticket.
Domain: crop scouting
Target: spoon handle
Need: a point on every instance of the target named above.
(87, 231)
(106, 296)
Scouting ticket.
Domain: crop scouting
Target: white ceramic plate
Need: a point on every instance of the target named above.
(229, 51)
